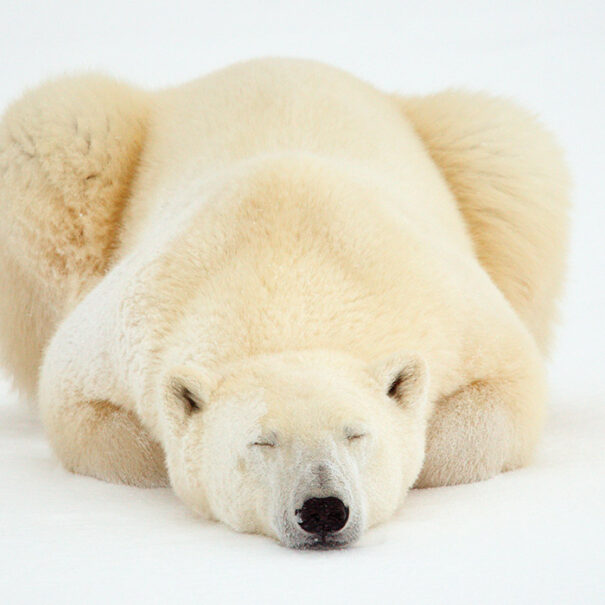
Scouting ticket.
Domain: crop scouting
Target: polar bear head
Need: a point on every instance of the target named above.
(309, 448)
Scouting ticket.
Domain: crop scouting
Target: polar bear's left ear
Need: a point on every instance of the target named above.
(404, 377)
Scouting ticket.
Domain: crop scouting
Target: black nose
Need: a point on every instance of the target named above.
(323, 515)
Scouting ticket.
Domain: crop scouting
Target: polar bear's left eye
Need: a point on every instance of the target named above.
(355, 437)
(354, 434)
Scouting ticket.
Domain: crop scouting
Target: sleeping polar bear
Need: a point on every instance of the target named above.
(285, 293)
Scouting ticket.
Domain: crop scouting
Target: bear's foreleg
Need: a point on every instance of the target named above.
(482, 429)
(105, 441)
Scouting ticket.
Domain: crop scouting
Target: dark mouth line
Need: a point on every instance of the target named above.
(323, 544)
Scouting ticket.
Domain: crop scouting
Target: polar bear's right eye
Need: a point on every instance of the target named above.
(265, 441)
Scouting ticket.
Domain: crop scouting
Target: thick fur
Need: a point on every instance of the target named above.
(153, 242)
(512, 186)
(68, 153)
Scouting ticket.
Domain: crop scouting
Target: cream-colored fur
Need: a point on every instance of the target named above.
(288, 249)
(499, 162)
(68, 152)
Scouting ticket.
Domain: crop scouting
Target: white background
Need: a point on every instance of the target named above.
(531, 536)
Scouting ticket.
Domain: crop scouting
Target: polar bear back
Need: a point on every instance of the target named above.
(280, 107)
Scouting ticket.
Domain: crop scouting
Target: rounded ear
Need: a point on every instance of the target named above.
(404, 377)
(186, 391)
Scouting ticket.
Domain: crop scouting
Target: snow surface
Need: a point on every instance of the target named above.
(531, 536)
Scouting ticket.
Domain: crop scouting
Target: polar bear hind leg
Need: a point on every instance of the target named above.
(68, 152)
(511, 185)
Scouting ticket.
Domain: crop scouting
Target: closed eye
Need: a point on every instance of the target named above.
(267, 440)
(355, 436)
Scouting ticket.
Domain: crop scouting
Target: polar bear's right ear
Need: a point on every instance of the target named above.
(187, 391)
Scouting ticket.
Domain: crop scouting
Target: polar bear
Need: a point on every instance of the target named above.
(286, 294)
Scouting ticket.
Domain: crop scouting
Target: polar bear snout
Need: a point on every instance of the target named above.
(322, 523)
(324, 510)
(322, 516)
